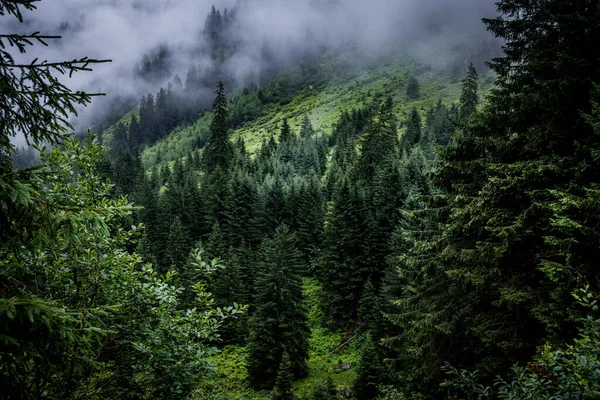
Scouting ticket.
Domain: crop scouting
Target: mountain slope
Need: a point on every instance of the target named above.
(339, 85)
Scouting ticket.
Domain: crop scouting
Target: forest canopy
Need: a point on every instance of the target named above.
(325, 229)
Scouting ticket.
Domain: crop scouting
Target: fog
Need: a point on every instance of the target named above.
(435, 31)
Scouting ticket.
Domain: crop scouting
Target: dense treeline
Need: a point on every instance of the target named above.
(307, 204)
(469, 230)
(450, 240)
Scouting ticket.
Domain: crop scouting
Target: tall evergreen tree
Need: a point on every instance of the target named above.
(119, 143)
(377, 144)
(469, 98)
(306, 130)
(218, 151)
(286, 135)
(504, 264)
(413, 88)
(283, 384)
(279, 323)
(413, 133)
(178, 246)
(310, 216)
(367, 376)
(240, 212)
(345, 264)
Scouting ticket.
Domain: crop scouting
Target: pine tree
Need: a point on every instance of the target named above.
(469, 98)
(119, 143)
(286, 135)
(215, 193)
(147, 120)
(505, 269)
(438, 125)
(127, 169)
(369, 312)
(240, 212)
(377, 144)
(275, 207)
(283, 383)
(413, 88)
(218, 151)
(178, 246)
(345, 265)
(367, 376)
(306, 130)
(310, 216)
(134, 134)
(279, 323)
(413, 134)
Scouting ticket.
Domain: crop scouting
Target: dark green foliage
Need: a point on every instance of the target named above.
(120, 142)
(275, 207)
(413, 134)
(279, 324)
(306, 130)
(215, 193)
(309, 216)
(509, 255)
(345, 267)
(377, 144)
(147, 129)
(218, 151)
(565, 372)
(286, 135)
(178, 246)
(469, 98)
(285, 378)
(369, 312)
(127, 169)
(413, 88)
(438, 126)
(367, 376)
(240, 212)
(244, 108)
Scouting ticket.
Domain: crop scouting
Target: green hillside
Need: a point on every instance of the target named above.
(336, 226)
(340, 85)
(336, 85)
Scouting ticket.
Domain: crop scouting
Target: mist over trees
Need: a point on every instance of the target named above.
(304, 226)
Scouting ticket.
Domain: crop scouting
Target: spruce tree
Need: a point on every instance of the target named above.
(240, 212)
(367, 376)
(275, 207)
(310, 215)
(413, 88)
(178, 246)
(134, 138)
(306, 130)
(279, 322)
(505, 269)
(413, 134)
(119, 143)
(345, 265)
(215, 191)
(218, 152)
(469, 98)
(283, 383)
(377, 144)
(286, 135)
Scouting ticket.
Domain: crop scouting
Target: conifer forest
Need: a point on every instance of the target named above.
(310, 200)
